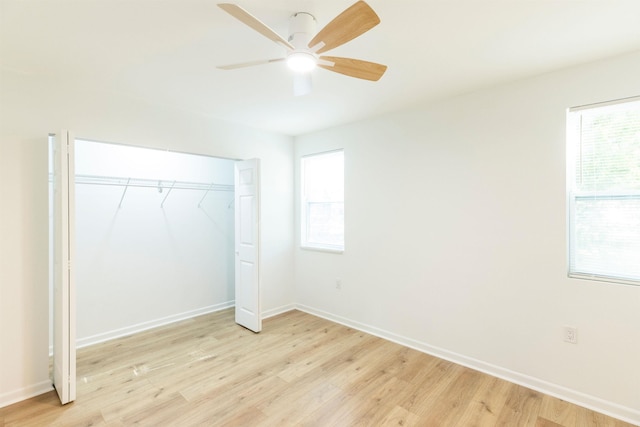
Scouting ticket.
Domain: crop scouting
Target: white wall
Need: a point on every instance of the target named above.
(455, 239)
(159, 256)
(30, 107)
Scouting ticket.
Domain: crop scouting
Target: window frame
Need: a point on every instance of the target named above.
(573, 195)
(305, 243)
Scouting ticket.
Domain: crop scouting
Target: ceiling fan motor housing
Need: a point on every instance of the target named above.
(302, 27)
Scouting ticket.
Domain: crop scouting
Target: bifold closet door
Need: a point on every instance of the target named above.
(64, 305)
(247, 244)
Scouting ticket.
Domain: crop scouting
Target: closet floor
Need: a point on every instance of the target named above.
(301, 370)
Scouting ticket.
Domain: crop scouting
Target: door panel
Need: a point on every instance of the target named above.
(64, 334)
(247, 245)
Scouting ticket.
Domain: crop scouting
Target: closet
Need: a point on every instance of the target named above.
(154, 238)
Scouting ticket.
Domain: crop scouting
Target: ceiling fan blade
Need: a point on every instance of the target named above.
(253, 22)
(249, 64)
(354, 21)
(301, 84)
(353, 67)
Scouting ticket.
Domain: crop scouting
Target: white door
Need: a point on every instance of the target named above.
(64, 305)
(247, 244)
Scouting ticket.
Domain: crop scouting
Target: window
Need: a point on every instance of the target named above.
(603, 190)
(322, 216)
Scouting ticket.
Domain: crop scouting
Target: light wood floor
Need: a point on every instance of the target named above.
(301, 370)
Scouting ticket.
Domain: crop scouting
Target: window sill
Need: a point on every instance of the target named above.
(606, 279)
(316, 249)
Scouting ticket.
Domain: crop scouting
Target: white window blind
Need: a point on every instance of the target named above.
(322, 210)
(603, 158)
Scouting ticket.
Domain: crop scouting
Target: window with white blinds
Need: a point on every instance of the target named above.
(322, 217)
(603, 191)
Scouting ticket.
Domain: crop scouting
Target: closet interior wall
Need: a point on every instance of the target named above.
(155, 237)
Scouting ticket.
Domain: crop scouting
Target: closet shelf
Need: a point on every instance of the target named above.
(158, 184)
(151, 183)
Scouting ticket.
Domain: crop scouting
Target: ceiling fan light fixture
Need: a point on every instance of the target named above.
(303, 50)
(301, 62)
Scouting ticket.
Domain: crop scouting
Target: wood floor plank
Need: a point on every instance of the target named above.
(159, 413)
(41, 410)
(309, 357)
(453, 401)
(558, 411)
(343, 409)
(222, 406)
(427, 386)
(301, 370)
(543, 422)
(384, 389)
(486, 404)
(521, 407)
(400, 417)
(80, 417)
(291, 405)
(132, 401)
(588, 418)
(244, 417)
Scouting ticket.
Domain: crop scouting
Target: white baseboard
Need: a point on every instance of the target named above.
(612, 409)
(130, 330)
(278, 310)
(133, 329)
(106, 336)
(16, 396)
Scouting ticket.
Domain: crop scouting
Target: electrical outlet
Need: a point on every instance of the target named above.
(338, 283)
(571, 334)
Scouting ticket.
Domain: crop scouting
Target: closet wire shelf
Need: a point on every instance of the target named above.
(160, 185)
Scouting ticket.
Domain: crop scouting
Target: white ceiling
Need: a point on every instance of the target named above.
(166, 51)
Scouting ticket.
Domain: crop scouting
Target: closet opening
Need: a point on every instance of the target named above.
(154, 239)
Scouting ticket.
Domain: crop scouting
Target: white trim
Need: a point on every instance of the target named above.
(574, 167)
(278, 310)
(607, 279)
(597, 404)
(130, 330)
(604, 103)
(19, 395)
(305, 202)
(140, 327)
(320, 153)
(321, 249)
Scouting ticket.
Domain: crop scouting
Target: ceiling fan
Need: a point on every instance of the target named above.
(304, 46)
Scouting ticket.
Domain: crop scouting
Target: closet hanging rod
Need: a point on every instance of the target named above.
(151, 183)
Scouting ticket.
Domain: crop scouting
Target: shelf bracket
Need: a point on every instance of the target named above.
(123, 193)
(168, 192)
(205, 194)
